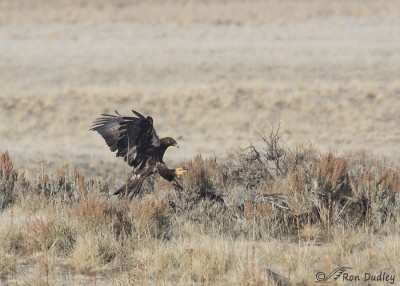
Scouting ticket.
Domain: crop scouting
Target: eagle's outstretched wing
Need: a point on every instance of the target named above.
(134, 138)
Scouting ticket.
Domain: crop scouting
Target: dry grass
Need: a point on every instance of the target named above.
(265, 215)
(209, 72)
(245, 71)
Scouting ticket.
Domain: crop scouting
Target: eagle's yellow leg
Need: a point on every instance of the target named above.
(180, 171)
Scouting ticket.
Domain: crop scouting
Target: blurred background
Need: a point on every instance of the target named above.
(211, 73)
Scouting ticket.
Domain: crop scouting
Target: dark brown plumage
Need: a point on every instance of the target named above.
(136, 140)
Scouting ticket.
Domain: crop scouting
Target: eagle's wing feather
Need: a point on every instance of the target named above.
(108, 127)
(134, 138)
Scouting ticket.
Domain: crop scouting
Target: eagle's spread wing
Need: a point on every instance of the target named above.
(134, 138)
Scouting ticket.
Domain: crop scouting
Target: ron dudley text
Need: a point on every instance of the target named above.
(381, 277)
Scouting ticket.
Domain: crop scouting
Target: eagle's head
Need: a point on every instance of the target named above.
(168, 141)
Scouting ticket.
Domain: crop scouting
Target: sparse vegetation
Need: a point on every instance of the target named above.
(265, 215)
(211, 72)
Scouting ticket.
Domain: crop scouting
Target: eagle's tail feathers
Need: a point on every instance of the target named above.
(132, 188)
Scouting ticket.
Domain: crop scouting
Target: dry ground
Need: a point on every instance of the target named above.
(211, 73)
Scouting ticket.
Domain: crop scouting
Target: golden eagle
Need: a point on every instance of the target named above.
(136, 140)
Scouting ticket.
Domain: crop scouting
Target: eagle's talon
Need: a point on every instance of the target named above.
(180, 171)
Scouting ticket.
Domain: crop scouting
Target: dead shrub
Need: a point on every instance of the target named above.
(95, 211)
(331, 177)
(297, 182)
(91, 210)
(206, 180)
(93, 252)
(45, 233)
(203, 175)
(151, 216)
(8, 177)
(68, 185)
(389, 180)
(268, 161)
(260, 208)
